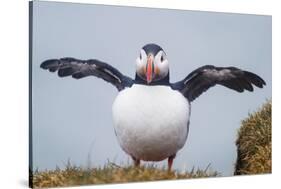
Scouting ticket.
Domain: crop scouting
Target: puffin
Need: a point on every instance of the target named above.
(150, 113)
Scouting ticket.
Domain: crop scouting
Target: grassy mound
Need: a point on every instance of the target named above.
(110, 173)
(254, 143)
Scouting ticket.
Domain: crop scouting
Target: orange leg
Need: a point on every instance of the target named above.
(170, 162)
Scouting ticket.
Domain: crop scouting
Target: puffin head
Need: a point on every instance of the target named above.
(152, 64)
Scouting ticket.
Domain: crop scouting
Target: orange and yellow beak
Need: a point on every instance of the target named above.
(149, 68)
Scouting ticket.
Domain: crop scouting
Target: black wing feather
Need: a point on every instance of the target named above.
(82, 68)
(208, 76)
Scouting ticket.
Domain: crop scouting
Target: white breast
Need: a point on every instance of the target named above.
(151, 122)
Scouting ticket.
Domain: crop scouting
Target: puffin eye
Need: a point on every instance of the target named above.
(162, 58)
(140, 56)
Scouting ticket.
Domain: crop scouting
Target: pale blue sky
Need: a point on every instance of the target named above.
(72, 118)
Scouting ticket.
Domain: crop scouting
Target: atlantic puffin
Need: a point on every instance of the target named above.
(151, 114)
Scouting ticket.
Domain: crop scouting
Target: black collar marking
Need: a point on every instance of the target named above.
(164, 81)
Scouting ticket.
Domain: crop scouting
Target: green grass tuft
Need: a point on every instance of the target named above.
(110, 173)
(254, 143)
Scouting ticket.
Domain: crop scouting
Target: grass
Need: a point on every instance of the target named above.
(254, 143)
(110, 173)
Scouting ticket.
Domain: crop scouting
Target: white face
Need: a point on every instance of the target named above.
(152, 68)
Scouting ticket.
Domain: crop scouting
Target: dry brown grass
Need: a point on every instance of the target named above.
(111, 173)
(254, 143)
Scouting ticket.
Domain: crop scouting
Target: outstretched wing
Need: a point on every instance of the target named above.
(208, 76)
(83, 68)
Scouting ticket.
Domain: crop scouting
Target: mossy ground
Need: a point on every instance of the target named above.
(254, 143)
(111, 173)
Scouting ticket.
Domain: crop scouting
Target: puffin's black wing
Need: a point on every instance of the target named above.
(207, 76)
(83, 68)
